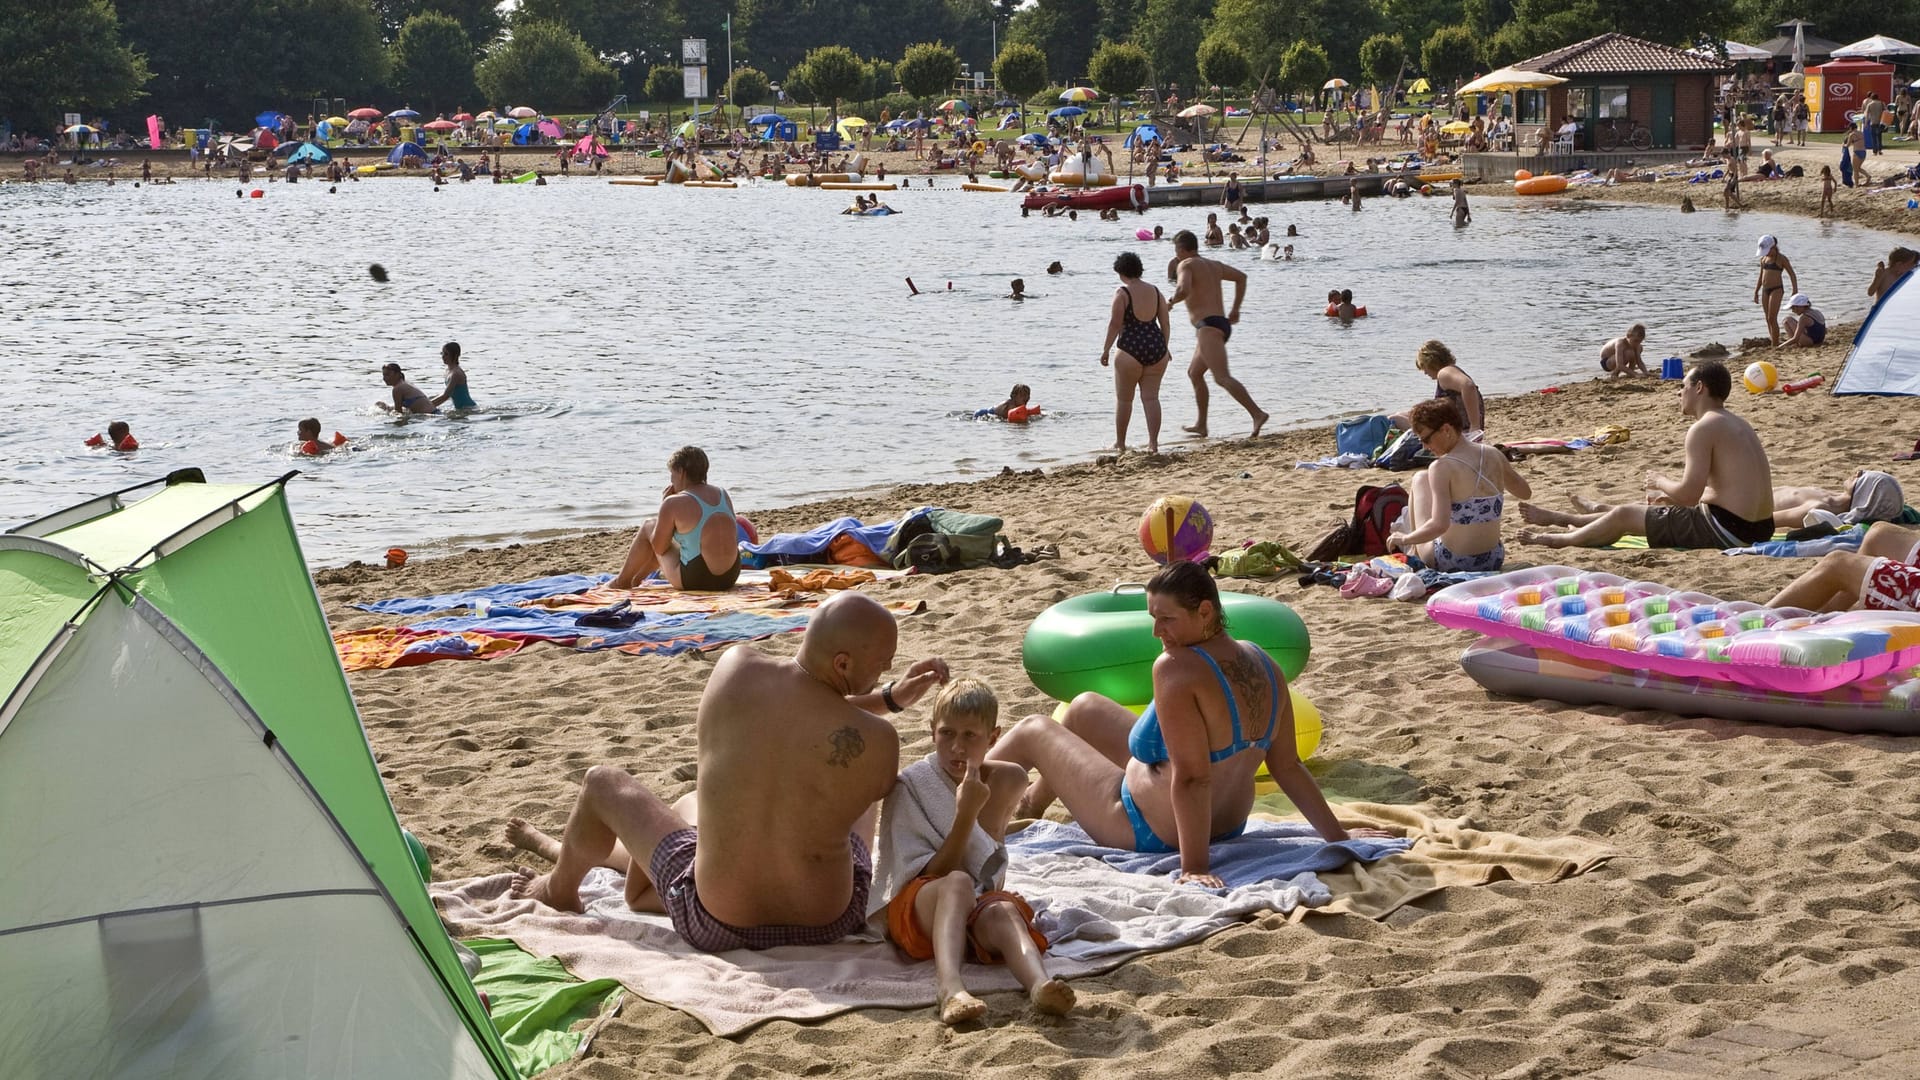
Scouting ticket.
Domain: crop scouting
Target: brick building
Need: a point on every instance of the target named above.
(1623, 81)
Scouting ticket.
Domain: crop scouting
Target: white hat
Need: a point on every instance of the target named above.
(1799, 300)
(1766, 243)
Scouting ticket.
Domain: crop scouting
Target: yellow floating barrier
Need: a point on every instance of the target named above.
(819, 179)
(710, 183)
(1441, 177)
(1065, 179)
(983, 187)
(649, 182)
(858, 187)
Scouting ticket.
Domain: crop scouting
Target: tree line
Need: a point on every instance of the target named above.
(224, 60)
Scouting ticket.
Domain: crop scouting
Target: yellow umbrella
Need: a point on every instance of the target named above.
(852, 121)
(1494, 82)
(1420, 86)
(1080, 93)
(1456, 127)
(337, 121)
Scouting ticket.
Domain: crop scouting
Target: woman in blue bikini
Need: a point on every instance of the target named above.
(694, 540)
(1181, 775)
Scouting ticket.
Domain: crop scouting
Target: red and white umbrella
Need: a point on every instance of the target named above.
(366, 114)
(465, 117)
(440, 125)
(523, 112)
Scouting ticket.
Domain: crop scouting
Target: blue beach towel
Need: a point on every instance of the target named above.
(496, 595)
(1267, 851)
(807, 547)
(1805, 549)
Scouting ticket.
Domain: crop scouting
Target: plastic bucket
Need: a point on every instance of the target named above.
(1673, 368)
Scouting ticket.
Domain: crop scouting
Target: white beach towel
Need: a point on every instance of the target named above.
(914, 821)
(1096, 917)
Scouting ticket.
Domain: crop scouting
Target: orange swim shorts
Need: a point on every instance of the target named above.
(913, 939)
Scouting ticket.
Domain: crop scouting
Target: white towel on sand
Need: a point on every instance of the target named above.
(914, 822)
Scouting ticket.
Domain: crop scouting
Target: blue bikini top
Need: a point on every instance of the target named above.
(1147, 744)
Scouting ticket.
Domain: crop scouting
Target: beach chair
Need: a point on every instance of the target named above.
(1563, 144)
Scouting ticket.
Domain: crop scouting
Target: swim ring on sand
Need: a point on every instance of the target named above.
(1103, 642)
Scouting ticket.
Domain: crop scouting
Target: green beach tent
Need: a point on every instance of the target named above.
(202, 874)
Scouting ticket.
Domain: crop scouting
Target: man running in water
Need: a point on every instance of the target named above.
(1199, 286)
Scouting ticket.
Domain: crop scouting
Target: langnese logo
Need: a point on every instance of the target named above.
(1840, 89)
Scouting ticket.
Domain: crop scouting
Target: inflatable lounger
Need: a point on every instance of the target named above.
(1889, 703)
(1644, 626)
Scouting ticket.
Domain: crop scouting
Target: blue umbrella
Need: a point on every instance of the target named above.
(1066, 112)
(1032, 138)
(1005, 102)
(768, 118)
(918, 122)
(403, 114)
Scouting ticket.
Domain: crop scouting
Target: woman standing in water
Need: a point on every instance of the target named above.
(1138, 324)
(456, 390)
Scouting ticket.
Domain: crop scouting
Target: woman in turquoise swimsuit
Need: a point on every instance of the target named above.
(694, 540)
(1181, 775)
(456, 390)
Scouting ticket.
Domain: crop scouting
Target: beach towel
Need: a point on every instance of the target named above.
(491, 595)
(1266, 852)
(914, 821)
(536, 1005)
(814, 545)
(1095, 915)
(1848, 540)
(691, 633)
(392, 647)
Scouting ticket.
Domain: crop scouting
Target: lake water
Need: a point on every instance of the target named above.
(604, 326)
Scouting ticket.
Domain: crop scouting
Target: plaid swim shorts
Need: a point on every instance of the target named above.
(671, 869)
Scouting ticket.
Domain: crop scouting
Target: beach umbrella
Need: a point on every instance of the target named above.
(852, 122)
(504, 124)
(440, 125)
(368, 113)
(1008, 121)
(768, 118)
(1420, 86)
(1456, 127)
(1736, 52)
(1033, 138)
(1878, 45)
(920, 122)
(1079, 93)
(1794, 79)
(337, 121)
(403, 114)
(1507, 78)
(79, 129)
(464, 118)
(523, 112)
(1334, 84)
(1005, 103)
(1192, 111)
(488, 115)
(952, 104)
(1066, 112)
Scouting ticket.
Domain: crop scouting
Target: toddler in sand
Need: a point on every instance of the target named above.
(942, 857)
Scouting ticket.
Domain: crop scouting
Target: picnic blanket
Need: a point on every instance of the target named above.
(1096, 915)
(393, 646)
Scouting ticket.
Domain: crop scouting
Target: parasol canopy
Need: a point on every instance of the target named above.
(1506, 78)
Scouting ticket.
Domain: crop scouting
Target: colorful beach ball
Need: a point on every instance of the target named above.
(1760, 377)
(1176, 529)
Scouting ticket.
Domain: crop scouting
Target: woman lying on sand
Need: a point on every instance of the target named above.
(1181, 774)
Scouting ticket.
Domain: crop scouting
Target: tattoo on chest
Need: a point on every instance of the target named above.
(848, 744)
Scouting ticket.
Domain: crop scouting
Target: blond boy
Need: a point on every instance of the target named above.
(943, 858)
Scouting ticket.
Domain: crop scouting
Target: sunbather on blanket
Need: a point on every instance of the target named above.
(941, 863)
(1723, 498)
(1881, 576)
(793, 758)
(693, 540)
(1870, 496)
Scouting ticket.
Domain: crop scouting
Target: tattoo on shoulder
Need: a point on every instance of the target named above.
(848, 744)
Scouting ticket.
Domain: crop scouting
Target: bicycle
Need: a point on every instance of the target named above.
(1609, 135)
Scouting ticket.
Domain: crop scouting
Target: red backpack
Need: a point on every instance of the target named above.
(1375, 509)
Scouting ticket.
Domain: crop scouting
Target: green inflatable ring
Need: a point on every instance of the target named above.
(1104, 642)
(418, 851)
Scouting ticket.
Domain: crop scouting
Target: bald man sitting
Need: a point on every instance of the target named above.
(794, 756)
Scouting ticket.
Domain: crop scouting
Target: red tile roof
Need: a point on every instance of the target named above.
(1618, 54)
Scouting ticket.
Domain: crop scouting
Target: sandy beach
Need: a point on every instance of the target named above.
(1757, 865)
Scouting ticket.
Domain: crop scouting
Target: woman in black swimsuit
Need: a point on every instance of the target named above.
(1139, 326)
(1767, 289)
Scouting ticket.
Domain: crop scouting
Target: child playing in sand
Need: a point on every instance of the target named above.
(308, 439)
(118, 437)
(1827, 187)
(942, 858)
(1621, 356)
(1017, 398)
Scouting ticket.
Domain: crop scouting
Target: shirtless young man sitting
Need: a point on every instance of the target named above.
(794, 756)
(1198, 282)
(1723, 499)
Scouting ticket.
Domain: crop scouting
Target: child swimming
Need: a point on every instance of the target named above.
(456, 390)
